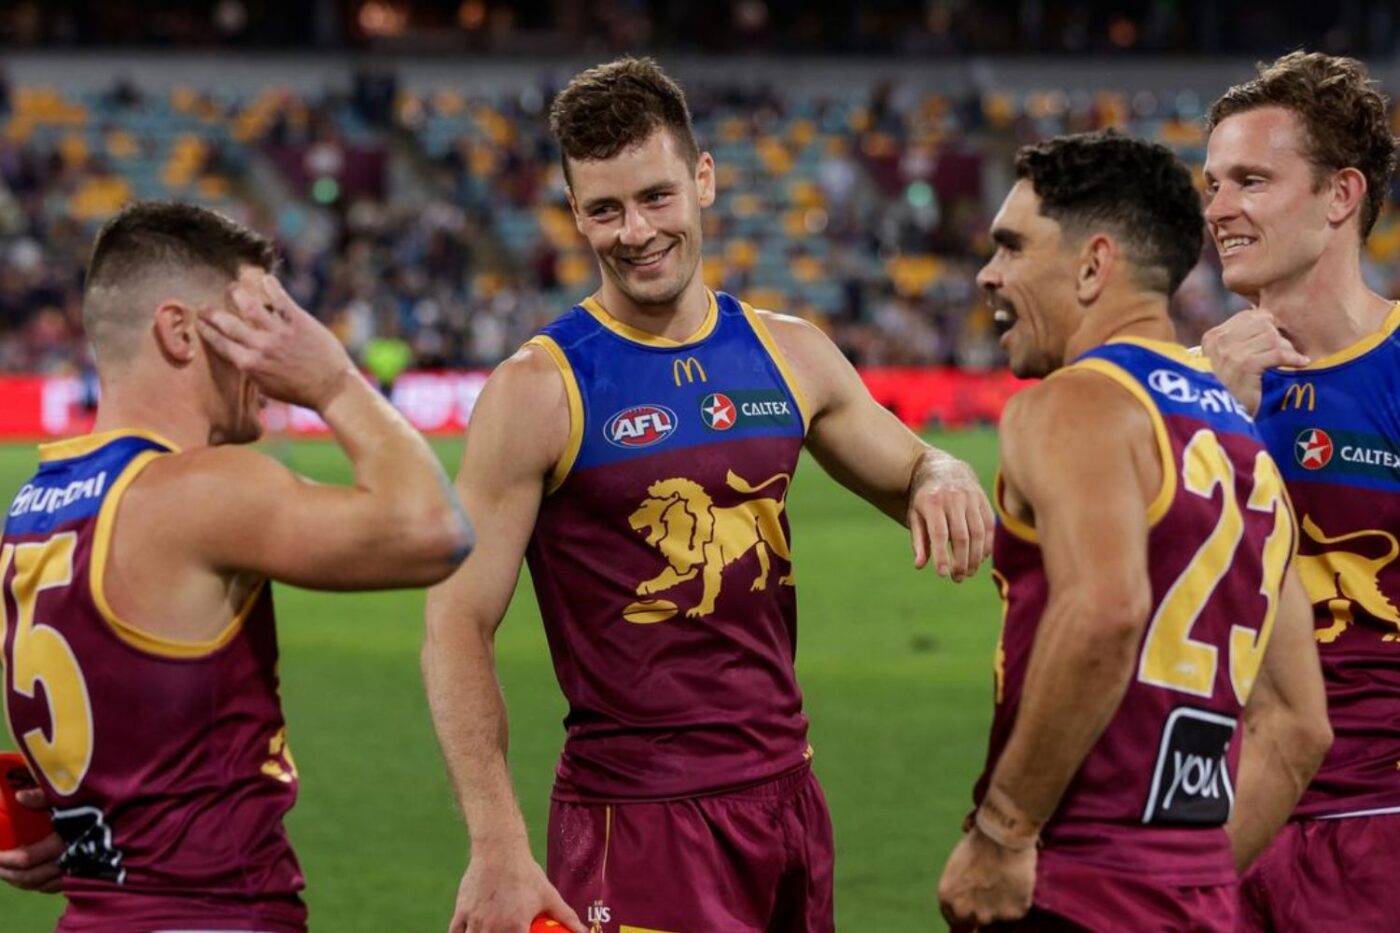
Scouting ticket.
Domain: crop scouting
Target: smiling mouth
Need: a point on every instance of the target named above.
(647, 261)
(1230, 245)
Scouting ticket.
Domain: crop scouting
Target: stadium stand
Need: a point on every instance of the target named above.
(437, 216)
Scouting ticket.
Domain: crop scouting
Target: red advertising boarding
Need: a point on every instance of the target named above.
(38, 407)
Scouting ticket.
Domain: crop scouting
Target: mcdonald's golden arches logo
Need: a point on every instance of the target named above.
(1295, 395)
(691, 368)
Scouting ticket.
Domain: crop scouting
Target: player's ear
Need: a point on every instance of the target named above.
(705, 179)
(173, 325)
(1348, 193)
(1097, 259)
(573, 207)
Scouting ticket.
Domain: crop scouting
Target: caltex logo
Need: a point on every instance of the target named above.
(718, 412)
(1313, 448)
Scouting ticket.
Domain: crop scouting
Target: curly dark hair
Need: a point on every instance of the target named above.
(615, 106)
(1345, 118)
(1136, 190)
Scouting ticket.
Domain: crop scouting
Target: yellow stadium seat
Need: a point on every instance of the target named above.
(808, 269)
(575, 268)
(74, 150)
(741, 253)
(775, 156)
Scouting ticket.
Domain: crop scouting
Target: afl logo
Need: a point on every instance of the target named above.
(718, 412)
(1313, 449)
(640, 426)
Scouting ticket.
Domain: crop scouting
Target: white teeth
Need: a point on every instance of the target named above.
(1234, 242)
(1002, 316)
(648, 260)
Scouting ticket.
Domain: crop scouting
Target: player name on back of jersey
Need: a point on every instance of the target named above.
(49, 499)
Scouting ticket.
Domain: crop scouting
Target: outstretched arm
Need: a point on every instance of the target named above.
(869, 451)
(1087, 483)
(501, 481)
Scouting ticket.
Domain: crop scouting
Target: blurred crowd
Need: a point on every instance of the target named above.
(431, 229)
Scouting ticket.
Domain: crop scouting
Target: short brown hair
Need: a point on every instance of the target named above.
(613, 107)
(1345, 118)
(154, 233)
(153, 238)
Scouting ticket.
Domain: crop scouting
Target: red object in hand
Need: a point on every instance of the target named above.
(19, 825)
(543, 924)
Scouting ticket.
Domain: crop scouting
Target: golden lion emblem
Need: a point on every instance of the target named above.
(681, 521)
(1342, 578)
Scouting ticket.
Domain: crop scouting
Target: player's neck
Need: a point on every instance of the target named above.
(171, 415)
(678, 320)
(1327, 308)
(1143, 316)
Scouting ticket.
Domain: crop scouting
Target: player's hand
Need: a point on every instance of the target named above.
(503, 894)
(1243, 347)
(33, 867)
(950, 519)
(984, 882)
(287, 353)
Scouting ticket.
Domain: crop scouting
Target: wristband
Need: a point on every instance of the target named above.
(1001, 821)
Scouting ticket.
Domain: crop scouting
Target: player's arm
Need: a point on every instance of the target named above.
(871, 452)
(234, 509)
(1081, 454)
(502, 481)
(1286, 732)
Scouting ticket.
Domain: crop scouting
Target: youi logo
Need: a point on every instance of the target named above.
(640, 426)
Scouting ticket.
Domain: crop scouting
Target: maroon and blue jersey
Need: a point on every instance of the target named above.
(165, 762)
(1154, 792)
(1334, 427)
(661, 559)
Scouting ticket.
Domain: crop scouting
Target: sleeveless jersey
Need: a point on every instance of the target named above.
(661, 561)
(1153, 793)
(1334, 427)
(165, 762)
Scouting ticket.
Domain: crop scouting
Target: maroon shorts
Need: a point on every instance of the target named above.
(1091, 898)
(1326, 875)
(759, 860)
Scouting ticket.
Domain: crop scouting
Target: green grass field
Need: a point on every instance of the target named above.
(896, 667)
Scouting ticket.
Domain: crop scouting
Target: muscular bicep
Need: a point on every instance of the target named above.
(234, 510)
(501, 483)
(855, 439)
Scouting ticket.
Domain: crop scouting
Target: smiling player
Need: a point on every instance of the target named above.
(638, 453)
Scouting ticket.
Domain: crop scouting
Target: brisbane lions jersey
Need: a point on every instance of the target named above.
(1154, 792)
(661, 557)
(1334, 427)
(165, 762)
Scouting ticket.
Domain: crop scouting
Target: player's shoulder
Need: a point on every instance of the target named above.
(205, 474)
(1076, 402)
(529, 377)
(798, 337)
(788, 324)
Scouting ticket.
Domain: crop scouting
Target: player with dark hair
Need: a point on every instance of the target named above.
(638, 452)
(136, 619)
(1297, 168)
(1143, 560)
